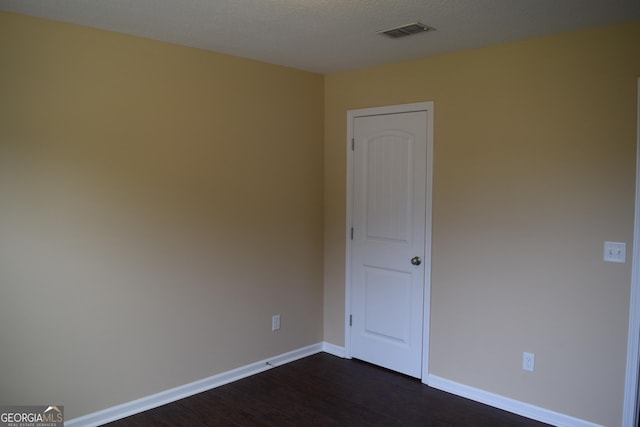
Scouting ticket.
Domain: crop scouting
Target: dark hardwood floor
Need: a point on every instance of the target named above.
(324, 390)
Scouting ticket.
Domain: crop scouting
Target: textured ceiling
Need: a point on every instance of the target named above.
(326, 36)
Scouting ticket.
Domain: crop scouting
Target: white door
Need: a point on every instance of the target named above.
(388, 244)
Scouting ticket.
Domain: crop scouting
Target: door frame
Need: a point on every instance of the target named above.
(426, 304)
(631, 394)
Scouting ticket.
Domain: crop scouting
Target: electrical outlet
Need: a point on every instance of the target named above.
(275, 323)
(528, 361)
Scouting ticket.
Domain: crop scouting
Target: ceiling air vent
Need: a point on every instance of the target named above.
(405, 30)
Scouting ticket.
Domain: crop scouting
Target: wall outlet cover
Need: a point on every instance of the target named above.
(528, 361)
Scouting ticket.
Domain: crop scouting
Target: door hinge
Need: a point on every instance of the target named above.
(350, 319)
(353, 144)
(351, 233)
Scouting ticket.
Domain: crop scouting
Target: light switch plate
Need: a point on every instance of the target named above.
(615, 252)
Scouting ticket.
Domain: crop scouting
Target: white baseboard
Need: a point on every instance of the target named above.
(506, 404)
(180, 392)
(333, 349)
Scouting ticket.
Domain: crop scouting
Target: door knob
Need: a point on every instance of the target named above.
(416, 260)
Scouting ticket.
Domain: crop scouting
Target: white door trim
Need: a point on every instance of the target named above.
(392, 109)
(631, 397)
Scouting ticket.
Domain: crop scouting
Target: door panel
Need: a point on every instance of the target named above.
(389, 222)
(388, 171)
(387, 294)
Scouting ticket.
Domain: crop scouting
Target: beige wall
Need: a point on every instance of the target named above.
(158, 204)
(534, 151)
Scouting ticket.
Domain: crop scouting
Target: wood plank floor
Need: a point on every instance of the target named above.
(324, 390)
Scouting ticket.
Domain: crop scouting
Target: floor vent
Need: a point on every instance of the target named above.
(405, 30)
